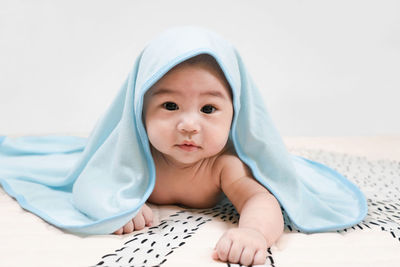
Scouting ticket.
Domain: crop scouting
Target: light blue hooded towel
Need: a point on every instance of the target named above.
(96, 185)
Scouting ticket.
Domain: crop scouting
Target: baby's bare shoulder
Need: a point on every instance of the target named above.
(237, 181)
(231, 165)
(228, 160)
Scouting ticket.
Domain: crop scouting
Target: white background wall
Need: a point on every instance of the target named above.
(325, 68)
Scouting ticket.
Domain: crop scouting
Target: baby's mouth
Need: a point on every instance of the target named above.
(188, 146)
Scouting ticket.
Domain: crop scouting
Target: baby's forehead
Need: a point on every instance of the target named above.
(203, 61)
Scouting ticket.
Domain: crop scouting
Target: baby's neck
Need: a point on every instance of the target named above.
(176, 165)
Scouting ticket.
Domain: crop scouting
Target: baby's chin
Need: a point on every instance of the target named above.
(184, 163)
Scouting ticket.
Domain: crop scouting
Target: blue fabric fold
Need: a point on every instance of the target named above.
(95, 185)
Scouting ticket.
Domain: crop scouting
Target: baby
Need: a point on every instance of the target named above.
(188, 115)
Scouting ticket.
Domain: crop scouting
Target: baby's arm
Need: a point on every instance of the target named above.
(142, 219)
(261, 220)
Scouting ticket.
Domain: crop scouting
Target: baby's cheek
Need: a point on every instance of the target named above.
(218, 140)
(155, 136)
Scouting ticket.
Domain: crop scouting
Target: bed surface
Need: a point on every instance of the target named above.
(186, 237)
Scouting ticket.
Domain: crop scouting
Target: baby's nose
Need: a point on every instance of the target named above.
(189, 124)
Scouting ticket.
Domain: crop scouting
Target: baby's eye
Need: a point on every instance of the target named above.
(208, 109)
(170, 106)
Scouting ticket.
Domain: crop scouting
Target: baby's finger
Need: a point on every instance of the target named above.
(147, 214)
(247, 256)
(119, 231)
(214, 255)
(223, 246)
(128, 228)
(260, 257)
(138, 221)
(235, 252)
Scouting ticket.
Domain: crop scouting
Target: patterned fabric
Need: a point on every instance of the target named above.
(378, 179)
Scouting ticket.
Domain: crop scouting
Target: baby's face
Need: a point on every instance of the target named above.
(188, 113)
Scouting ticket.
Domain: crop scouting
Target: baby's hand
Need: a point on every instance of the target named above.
(142, 219)
(246, 246)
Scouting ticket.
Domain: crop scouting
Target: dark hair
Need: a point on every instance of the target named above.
(209, 61)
